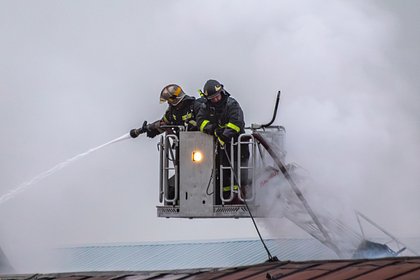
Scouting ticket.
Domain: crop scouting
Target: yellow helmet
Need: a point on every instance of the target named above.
(173, 94)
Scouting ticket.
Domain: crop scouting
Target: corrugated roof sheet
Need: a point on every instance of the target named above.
(390, 268)
(190, 255)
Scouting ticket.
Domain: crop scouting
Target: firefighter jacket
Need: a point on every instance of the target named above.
(224, 119)
(183, 114)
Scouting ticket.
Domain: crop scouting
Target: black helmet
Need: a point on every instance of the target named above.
(212, 88)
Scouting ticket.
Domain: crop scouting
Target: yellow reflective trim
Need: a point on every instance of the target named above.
(234, 127)
(187, 116)
(165, 119)
(174, 116)
(193, 122)
(203, 124)
(235, 188)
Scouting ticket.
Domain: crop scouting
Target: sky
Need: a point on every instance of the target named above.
(77, 74)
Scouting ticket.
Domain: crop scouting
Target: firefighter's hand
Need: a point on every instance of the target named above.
(209, 129)
(222, 139)
(151, 133)
(218, 132)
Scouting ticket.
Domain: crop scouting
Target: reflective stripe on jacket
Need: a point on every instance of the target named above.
(227, 115)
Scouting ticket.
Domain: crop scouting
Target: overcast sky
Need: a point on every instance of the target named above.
(77, 74)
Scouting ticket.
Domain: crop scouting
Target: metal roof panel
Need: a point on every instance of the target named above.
(187, 255)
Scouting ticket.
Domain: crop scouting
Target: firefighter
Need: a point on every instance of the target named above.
(222, 116)
(181, 111)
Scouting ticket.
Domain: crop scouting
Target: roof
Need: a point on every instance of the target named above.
(187, 255)
(152, 256)
(389, 268)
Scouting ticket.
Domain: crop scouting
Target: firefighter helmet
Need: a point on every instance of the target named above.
(212, 88)
(173, 94)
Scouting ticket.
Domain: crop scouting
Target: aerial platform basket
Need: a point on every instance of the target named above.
(190, 184)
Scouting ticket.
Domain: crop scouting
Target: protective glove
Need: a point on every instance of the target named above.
(137, 131)
(218, 132)
(152, 133)
(209, 129)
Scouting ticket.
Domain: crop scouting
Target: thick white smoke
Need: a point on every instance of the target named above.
(346, 113)
(77, 73)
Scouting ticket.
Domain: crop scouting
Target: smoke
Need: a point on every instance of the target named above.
(349, 124)
(362, 146)
(285, 192)
(77, 73)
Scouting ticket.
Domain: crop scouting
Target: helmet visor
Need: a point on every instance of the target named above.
(171, 94)
(173, 100)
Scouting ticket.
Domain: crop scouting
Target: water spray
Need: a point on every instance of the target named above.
(24, 186)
